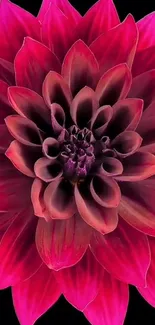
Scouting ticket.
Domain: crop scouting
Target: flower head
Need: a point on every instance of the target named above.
(77, 172)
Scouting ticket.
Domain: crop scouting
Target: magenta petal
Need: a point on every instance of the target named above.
(80, 284)
(126, 143)
(32, 63)
(61, 243)
(19, 23)
(19, 257)
(56, 23)
(59, 199)
(125, 34)
(101, 17)
(110, 305)
(118, 253)
(114, 85)
(101, 218)
(80, 67)
(37, 198)
(7, 72)
(144, 61)
(146, 130)
(32, 298)
(48, 170)
(145, 27)
(6, 108)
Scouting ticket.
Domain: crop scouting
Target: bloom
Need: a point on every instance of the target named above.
(77, 163)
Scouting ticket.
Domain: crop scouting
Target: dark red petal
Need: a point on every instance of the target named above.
(100, 120)
(16, 23)
(118, 252)
(137, 167)
(7, 71)
(125, 34)
(137, 205)
(5, 108)
(32, 63)
(145, 28)
(114, 85)
(110, 305)
(61, 243)
(29, 104)
(56, 23)
(83, 107)
(111, 167)
(57, 118)
(37, 198)
(32, 298)
(18, 254)
(59, 199)
(23, 130)
(80, 284)
(102, 219)
(80, 67)
(99, 19)
(144, 61)
(48, 170)
(143, 87)
(50, 148)
(146, 129)
(5, 138)
(126, 143)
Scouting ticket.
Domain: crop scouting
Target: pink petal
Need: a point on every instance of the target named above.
(137, 205)
(143, 87)
(58, 118)
(61, 243)
(80, 283)
(101, 218)
(118, 252)
(47, 170)
(5, 138)
(100, 120)
(29, 104)
(32, 298)
(16, 23)
(124, 34)
(18, 254)
(56, 23)
(137, 167)
(144, 61)
(50, 148)
(114, 85)
(110, 305)
(146, 130)
(80, 67)
(59, 199)
(37, 198)
(111, 167)
(7, 71)
(83, 106)
(23, 130)
(32, 63)
(101, 17)
(5, 109)
(126, 143)
(146, 35)
(148, 292)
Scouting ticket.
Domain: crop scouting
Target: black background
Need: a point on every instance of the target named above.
(139, 312)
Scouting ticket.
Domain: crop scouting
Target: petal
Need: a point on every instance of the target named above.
(126, 143)
(32, 63)
(114, 85)
(58, 118)
(47, 170)
(29, 104)
(5, 138)
(80, 67)
(143, 87)
(59, 199)
(137, 205)
(102, 219)
(126, 116)
(100, 120)
(125, 34)
(110, 305)
(146, 35)
(144, 61)
(146, 129)
(56, 23)
(35, 296)
(5, 108)
(23, 130)
(62, 243)
(111, 167)
(80, 283)
(7, 71)
(148, 292)
(16, 23)
(50, 148)
(101, 17)
(137, 167)
(83, 106)
(118, 253)
(19, 257)
(37, 198)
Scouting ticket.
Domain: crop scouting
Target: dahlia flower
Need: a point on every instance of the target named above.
(77, 159)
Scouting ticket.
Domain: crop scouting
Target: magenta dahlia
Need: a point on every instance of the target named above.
(77, 161)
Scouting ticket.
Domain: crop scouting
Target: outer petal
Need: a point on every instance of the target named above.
(124, 34)
(144, 61)
(15, 24)
(5, 138)
(37, 194)
(137, 205)
(7, 72)
(146, 35)
(110, 305)
(118, 253)
(5, 108)
(99, 19)
(32, 63)
(80, 67)
(80, 283)
(62, 244)
(32, 298)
